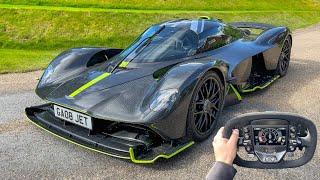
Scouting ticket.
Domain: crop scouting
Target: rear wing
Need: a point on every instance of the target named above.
(252, 25)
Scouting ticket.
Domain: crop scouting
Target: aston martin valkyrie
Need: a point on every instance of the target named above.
(162, 93)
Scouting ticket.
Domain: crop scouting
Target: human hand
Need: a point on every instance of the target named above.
(225, 150)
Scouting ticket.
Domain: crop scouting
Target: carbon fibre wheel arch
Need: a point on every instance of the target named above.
(173, 125)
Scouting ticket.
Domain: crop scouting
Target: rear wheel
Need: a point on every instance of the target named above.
(284, 59)
(205, 107)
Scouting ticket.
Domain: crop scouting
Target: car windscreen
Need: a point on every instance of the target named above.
(170, 43)
(130, 51)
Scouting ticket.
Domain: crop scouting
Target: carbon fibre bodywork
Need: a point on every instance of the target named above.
(128, 92)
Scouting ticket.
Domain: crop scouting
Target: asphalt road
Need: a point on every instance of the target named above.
(27, 152)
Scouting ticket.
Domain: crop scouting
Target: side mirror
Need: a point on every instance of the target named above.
(268, 137)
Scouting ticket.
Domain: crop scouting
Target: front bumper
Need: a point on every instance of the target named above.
(134, 142)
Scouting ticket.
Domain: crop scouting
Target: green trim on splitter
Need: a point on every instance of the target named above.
(132, 157)
(88, 84)
(124, 64)
(166, 156)
(236, 92)
(70, 141)
(260, 87)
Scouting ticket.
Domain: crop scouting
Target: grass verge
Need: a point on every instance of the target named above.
(13, 60)
(197, 5)
(57, 30)
(145, 11)
(30, 37)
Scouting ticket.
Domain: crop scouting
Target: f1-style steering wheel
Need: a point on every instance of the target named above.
(270, 136)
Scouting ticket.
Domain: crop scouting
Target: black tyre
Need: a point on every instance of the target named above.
(205, 107)
(284, 58)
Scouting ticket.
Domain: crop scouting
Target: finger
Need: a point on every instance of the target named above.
(220, 133)
(219, 142)
(224, 140)
(234, 137)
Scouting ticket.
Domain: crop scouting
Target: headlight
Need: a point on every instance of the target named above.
(164, 99)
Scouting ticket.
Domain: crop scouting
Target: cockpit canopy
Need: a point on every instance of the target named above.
(179, 39)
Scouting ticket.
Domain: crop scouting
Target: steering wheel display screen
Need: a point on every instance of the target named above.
(270, 135)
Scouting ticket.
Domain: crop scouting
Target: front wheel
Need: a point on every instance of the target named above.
(205, 107)
(284, 58)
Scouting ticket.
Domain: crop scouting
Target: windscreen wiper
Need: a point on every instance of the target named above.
(148, 40)
(145, 42)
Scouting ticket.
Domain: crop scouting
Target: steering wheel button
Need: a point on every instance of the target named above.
(248, 148)
(246, 142)
(246, 129)
(292, 148)
(293, 142)
(240, 141)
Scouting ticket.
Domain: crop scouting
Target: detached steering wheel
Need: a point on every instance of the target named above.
(270, 136)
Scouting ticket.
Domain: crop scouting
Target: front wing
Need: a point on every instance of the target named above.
(135, 143)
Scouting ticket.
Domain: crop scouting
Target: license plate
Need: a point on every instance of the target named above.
(73, 116)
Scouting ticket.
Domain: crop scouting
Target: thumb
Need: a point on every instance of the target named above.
(234, 137)
(219, 134)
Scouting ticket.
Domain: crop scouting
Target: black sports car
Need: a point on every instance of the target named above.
(164, 92)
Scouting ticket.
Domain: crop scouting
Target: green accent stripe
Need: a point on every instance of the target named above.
(124, 64)
(260, 87)
(70, 141)
(90, 83)
(236, 92)
(166, 156)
